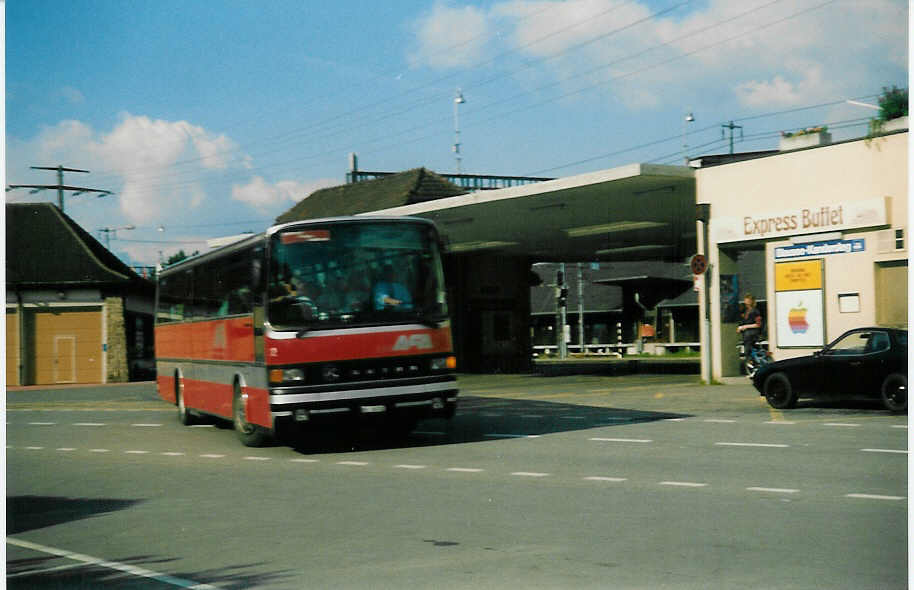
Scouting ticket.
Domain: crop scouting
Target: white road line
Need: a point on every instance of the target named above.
(409, 466)
(762, 445)
(573, 417)
(353, 463)
(202, 426)
(47, 570)
(136, 452)
(623, 440)
(305, 460)
(99, 450)
(114, 565)
(497, 435)
(844, 424)
(65, 449)
(683, 484)
(173, 454)
(787, 422)
(89, 424)
(257, 458)
(530, 474)
(900, 426)
(774, 490)
(720, 420)
(146, 425)
(884, 451)
(212, 456)
(604, 478)
(874, 497)
(673, 420)
(465, 470)
(34, 448)
(42, 423)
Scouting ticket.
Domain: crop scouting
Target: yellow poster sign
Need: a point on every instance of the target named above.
(798, 276)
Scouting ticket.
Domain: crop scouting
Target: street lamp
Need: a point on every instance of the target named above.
(458, 100)
(689, 118)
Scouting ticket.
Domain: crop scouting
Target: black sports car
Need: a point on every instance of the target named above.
(863, 361)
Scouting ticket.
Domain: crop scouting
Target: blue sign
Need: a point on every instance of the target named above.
(820, 248)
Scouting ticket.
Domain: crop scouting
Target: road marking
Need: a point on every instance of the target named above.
(114, 565)
(99, 450)
(628, 440)
(741, 444)
(883, 451)
(496, 435)
(573, 417)
(354, 463)
(720, 420)
(202, 426)
(42, 423)
(305, 460)
(465, 470)
(146, 425)
(34, 448)
(252, 458)
(65, 449)
(683, 484)
(604, 478)
(674, 420)
(774, 490)
(874, 497)
(212, 456)
(89, 424)
(844, 424)
(530, 474)
(779, 422)
(900, 426)
(46, 570)
(409, 466)
(173, 454)
(136, 452)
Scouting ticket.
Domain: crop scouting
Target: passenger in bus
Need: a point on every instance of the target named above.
(390, 293)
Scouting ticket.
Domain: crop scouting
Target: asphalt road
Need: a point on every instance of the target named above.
(575, 482)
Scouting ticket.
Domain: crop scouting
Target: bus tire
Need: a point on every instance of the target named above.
(184, 415)
(249, 434)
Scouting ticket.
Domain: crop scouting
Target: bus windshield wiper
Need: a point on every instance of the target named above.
(425, 318)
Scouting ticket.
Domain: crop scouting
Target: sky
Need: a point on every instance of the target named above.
(208, 119)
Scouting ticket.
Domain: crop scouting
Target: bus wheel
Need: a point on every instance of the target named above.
(184, 415)
(250, 435)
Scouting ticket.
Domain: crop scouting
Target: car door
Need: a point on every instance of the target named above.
(844, 364)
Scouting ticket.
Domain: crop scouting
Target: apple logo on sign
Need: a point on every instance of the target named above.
(797, 319)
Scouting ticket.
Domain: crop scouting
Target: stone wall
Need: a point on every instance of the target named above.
(116, 352)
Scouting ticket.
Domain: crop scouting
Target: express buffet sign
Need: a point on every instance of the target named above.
(807, 220)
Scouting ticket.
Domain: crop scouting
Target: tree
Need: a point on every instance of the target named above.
(178, 257)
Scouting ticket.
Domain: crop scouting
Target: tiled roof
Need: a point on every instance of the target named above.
(45, 248)
(404, 188)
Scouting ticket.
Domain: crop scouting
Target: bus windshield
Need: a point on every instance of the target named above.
(354, 273)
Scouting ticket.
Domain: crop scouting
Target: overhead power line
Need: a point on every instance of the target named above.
(60, 186)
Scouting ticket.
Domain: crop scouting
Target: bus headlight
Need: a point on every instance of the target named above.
(283, 375)
(444, 363)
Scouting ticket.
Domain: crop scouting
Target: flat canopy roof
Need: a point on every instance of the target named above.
(634, 212)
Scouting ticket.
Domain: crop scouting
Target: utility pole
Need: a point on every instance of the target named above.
(731, 127)
(458, 100)
(561, 302)
(60, 186)
(581, 307)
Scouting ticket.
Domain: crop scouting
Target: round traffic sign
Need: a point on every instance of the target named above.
(698, 264)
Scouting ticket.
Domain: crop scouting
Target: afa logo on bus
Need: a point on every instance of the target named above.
(417, 341)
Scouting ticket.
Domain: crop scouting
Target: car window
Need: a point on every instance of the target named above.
(853, 343)
(878, 342)
(902, 338)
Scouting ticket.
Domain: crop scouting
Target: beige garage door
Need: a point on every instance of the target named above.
(68, 346)
(12, 347)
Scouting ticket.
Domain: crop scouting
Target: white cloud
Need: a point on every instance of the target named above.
(766, 53)
(264, 196)
(450, 37)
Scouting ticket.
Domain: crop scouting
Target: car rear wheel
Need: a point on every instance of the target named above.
(779, 392)
(895, 392)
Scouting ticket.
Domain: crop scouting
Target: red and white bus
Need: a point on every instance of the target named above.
(306, 322)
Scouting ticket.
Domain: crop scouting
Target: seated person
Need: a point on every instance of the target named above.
(389, 293)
